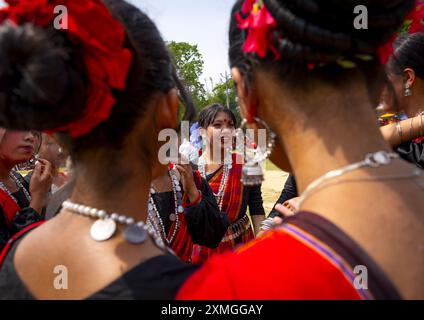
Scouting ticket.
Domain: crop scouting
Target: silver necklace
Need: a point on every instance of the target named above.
(372, 160)
(154, 219)
(106, 224)
(223, 184)
(18, 184)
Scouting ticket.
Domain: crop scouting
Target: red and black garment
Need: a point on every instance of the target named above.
(313, 260)
(237, 198)
(201, 222)
(15, 216)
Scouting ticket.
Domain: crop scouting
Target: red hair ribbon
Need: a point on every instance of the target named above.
(258, 23)
(415, 18)
(101, 37)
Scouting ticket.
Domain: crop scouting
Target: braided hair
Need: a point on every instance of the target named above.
(321, 33)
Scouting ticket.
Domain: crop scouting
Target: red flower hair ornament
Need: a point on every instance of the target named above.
(415, 20)
(101, 38)
(258, 23)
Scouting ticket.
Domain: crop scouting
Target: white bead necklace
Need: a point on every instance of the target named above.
(154, 219)
(223, 184)
(19, 185)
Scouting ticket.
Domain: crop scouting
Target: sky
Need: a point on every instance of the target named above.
(201, 22)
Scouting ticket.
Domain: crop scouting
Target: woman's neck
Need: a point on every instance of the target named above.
(214, 157)
(5, 169)
(326, 140)
(125, 193)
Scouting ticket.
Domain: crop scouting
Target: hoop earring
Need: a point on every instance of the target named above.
(408, 91)
(253, 155)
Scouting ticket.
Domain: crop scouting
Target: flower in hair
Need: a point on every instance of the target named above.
(100, 36)
(415, 21)
(258, 23)
(416, 18)
(195, 137)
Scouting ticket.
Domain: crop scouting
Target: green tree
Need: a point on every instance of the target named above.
(225, 94)
(189, 63)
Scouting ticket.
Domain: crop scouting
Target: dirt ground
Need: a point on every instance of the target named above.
(272, 186)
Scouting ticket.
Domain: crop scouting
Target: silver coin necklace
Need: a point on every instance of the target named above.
(106, 225)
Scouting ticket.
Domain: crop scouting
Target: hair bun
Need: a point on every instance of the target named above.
(40, 88)
(321, 31)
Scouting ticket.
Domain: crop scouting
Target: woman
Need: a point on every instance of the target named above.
(294, 66)
(183, 211)
(52, 152)
(21, 203)
(107, 100)
(405, 70)
(223, 173)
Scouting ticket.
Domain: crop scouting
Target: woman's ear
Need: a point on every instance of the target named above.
(409, 76)
(247, 98)
(166, 110)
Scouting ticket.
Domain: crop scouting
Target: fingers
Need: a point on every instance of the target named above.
(37, 171)
(44, 169)
(285, 211)
(47, 170)
(182, 169)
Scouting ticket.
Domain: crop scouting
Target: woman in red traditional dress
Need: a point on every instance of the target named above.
(183, 211)
(358, 233)
(21, 203)
(224, 172)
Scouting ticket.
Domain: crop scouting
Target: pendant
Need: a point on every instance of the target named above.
(135, 234)
(103, 230)
(172, 217)
(252, 175)
(150, 207)
(180, 209)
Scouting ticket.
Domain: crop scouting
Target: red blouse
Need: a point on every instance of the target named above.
(310, 259)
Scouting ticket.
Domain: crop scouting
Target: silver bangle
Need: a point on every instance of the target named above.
(268, 224)
(399, 131)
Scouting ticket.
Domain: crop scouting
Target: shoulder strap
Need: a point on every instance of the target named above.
(9, 206)
(14, 238)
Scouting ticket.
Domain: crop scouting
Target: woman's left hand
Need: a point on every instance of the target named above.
(187, 180)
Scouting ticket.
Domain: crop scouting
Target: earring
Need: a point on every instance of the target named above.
(408, 91)
(252, 173)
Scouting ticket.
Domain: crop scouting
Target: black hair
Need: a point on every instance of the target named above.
(319, 32)
(208, 114)
(408, 53)
(43, 81)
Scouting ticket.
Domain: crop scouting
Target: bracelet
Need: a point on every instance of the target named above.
(399, 131)
(412, 128)
(268, 224)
